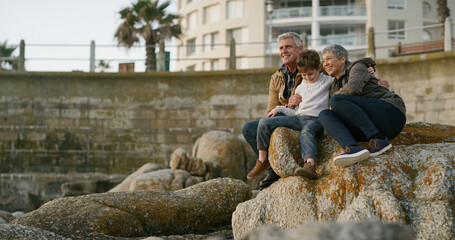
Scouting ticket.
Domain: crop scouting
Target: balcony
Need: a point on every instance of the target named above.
(344, 10)
(291, 13)
(342, 39)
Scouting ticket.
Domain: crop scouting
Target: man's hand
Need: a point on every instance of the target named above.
(383, 83)
(273, 112)
(294, 101)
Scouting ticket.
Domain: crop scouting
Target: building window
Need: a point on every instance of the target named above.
(191, 68)
(395, 25)
(188, 1)
(209, 41)
(190, 46)
(240, 35)
(191, 21)
(234, 9)
(426, 8)
(210, 66)
(212, 14)
(395, 4)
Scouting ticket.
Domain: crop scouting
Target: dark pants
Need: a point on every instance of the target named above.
(355, 118)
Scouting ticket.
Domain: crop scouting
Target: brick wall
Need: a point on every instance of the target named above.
(116, 122)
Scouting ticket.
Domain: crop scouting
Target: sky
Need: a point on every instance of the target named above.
(68, 22)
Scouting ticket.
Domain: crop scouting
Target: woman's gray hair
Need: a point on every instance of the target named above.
(298, 41)
(338, 50)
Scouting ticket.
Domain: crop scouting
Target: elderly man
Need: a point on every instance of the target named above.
(281, 92)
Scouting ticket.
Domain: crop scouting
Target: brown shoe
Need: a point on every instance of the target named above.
(307, 171)
(258, 169)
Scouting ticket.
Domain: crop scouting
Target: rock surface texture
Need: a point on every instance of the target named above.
(196, 209)
(224, 151)
(412, 184)
(334, 231)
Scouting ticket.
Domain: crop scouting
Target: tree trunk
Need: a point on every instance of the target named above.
(443, 13)
(151, 57)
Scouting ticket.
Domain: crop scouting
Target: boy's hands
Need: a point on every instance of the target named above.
(273, 112)
(294, 101)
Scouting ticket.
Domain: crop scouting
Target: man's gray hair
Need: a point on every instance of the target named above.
(298, 41)
(338, 50)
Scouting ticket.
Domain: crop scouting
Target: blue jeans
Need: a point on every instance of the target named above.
(250, 131)
(308, 126)
(355, 118)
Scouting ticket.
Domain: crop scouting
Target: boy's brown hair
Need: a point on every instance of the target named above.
(309, 59)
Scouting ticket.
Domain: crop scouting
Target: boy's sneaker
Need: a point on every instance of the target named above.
(258, 169)
(307, 171)
(352, 155)
(378, 146)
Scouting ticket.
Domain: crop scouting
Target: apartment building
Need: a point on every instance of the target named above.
(209, 25)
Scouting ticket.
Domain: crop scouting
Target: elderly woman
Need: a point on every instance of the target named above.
(360, 109)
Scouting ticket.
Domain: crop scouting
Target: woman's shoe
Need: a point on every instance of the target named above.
(353, 154)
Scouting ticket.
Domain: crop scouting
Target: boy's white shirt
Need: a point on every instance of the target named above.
(315, 97)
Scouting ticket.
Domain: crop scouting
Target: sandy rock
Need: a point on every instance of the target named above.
(225, 151)
(25, 232)
(410, 184)
(196, 209)
(334, 231)
(181, 160)
(125, 184)
(164, 179)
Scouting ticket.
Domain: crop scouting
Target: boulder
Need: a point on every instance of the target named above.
(164, 179)
(181, 160)
(334, 231)
(125, 184)
(225, 151)
(25, 232)
(413, 184)
(196, 209)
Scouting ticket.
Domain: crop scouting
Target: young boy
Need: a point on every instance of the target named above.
(314, 91)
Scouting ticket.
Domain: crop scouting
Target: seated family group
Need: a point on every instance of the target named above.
(350, 103)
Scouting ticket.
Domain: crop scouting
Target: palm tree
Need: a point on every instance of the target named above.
(6, 52)
(149, 20)
(443, 13)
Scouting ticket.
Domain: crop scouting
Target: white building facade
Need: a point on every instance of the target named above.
(209, 25)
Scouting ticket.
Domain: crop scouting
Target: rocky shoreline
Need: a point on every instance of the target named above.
(406, 193)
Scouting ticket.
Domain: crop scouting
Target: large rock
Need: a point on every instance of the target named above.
(164, 179)
(181, 160)
(197, 209)
(413, 184)
(225, 151)
(12, 232)
(334, 231)
(125, 184)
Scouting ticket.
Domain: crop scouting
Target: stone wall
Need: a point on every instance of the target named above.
(426, 83)
(116, 122)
